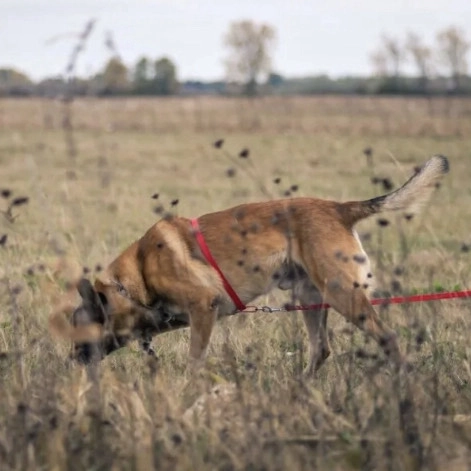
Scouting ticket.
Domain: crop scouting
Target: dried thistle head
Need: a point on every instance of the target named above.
(388, 185)
(159, 209)
(383, 222)
(244, 153)
(19, 201)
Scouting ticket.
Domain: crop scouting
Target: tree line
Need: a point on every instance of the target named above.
(446, 59)
(440, 68)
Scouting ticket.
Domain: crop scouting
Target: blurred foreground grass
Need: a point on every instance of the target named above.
(90, 196)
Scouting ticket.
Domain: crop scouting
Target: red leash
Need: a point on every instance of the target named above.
(415, 298)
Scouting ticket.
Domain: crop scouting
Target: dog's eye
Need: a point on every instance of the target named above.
(122, 290)
(103, 299)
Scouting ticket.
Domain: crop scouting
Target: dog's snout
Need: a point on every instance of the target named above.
(86, 353)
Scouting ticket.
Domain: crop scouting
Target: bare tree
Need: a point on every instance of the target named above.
(394, 51)
(421, 54)
(453, 49)
(250, 52)
(380, 63)
(387, 61)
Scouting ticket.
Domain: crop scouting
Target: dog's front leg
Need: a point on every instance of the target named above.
(201, 327)
(203, 316)
(146, 345)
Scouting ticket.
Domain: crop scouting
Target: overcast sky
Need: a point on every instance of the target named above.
(330, 36)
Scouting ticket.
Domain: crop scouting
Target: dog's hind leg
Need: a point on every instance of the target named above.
(354, 305)
(316, 325)
(340, 270)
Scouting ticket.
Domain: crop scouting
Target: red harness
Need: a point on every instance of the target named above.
(210, 259)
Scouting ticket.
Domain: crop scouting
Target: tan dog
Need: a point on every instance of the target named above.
(163, 281)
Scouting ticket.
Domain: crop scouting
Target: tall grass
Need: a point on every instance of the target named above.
(251, 408)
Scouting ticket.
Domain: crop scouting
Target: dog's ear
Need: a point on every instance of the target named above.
(91, 314)
(93, 307)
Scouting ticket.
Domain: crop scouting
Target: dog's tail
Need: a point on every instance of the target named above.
(410, 197)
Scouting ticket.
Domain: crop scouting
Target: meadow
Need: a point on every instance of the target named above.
(89, 169)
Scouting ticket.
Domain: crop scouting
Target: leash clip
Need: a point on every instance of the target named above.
(271, 309)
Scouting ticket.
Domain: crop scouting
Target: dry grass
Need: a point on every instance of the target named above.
(252, 410)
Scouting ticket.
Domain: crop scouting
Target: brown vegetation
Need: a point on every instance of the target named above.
(252, 409)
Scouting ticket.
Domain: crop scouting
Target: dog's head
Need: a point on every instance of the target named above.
(93, 310)
(125, 303)
(121, 316)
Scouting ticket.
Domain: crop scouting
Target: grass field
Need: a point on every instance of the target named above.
(89, 184)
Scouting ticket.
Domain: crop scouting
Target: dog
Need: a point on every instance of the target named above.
(191, 272)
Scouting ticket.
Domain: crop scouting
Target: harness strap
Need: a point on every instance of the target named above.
(210, 259)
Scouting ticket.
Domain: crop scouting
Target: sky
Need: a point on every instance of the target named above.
(335, 37)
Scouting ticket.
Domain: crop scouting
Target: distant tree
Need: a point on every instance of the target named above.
(387, 61)
(453, 49)
(164, 81)
(14, 82)
(379, 60)
(274, 79)
(422, 56)
(142, 75)
(115, 78)
(250, 53)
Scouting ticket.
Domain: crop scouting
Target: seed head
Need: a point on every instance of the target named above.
(398, 271)
(20, 201)
(387, 184)
(396, 286)
(383, 222)
(359, 258)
